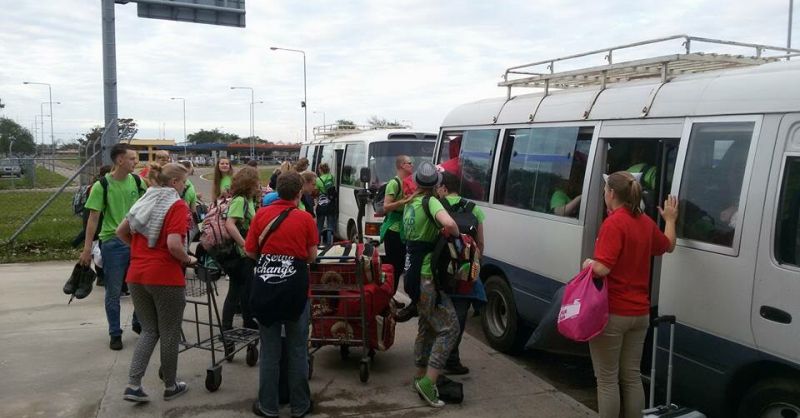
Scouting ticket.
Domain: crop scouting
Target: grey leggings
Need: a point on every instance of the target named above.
(160, 311)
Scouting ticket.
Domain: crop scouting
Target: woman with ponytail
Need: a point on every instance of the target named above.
(155, 229)
(625, 244)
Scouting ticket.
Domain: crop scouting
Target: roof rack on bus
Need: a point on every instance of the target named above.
(665, 66)
(334, 130)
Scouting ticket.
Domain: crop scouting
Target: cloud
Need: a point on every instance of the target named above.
(405, 60)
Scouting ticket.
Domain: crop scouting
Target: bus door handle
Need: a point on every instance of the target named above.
(775, 315)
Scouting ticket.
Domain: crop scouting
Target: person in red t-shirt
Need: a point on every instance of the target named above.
(625, 244)
(155, 229)
(279, 295)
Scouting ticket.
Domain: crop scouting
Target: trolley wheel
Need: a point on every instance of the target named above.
(344, 352)
(363, 371)
(213, 378)
(310, 366)
(230, 350)
(252, 355)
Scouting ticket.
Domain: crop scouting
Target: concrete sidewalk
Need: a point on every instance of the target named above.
(55, 362)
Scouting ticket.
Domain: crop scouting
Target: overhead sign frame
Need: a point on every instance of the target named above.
(212, 12)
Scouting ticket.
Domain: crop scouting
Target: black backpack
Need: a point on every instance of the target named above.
(326, 202)
(380, 196)
(461, 212)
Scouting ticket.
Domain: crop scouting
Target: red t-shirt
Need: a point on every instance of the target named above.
(409, 186)
(156, 266)
(624, 245)
(293, 237)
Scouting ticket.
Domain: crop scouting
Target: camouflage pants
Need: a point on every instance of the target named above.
(438, 327)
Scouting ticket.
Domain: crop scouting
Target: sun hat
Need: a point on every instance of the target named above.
(427, 175)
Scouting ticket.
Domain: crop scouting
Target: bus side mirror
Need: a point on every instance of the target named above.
(364, 175)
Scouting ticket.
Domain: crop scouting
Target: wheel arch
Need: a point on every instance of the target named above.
(749, 375)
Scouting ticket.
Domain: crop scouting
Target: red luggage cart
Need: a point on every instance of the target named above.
(344, 304)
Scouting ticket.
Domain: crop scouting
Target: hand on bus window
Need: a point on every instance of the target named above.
(670, 209)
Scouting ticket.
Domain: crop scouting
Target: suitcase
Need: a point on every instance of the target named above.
(668, 410)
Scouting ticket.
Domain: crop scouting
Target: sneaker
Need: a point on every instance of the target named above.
(136, 327)
(258, 411)
(405, 314)
(179, 389)
(427, 390)
(116, 343)
(456, 369)
(414, 381)
(309, 411)
(135, 395)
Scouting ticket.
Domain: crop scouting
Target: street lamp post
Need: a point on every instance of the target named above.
(789, 35)
(185, 153)
(252, 119)
(304, 105)
(41, 117)
(50, 93)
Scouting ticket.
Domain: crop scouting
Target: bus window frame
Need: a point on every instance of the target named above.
(499, 149)
(680, 168)
(773, 248)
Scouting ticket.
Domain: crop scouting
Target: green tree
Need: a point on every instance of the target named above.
(377, 122)
(213, 136)
(12, 131)
(127, 130)
(345, 124)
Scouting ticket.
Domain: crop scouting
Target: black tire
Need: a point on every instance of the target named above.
(499, 319)
(363, 371)
(344, 352)
(778, 397)
(252, 355)
(213, 378)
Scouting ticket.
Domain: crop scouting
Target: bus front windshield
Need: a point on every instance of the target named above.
(382, 156)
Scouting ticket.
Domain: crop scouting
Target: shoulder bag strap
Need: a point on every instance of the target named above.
(272, 226)
(426, 207)
(104, 184)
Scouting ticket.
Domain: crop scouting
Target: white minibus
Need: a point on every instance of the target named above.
(721, 132)
(375, 149)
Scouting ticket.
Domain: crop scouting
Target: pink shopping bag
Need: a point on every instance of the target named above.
(584, 308)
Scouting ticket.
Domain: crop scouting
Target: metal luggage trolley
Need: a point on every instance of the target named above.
(201, 290)
(328, 278)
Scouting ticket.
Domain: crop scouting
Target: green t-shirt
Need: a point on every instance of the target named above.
(225, 183)
(454, 199)
(322, 180)
(648, 178)
(237, 210)
(395, 189)
(559, 199)
(418, 227)
(301, 205)
(120, 197)
(189, 193)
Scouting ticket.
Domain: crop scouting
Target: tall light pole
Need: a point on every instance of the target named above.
(41, 117)
(304, 104)
(252, 119)
(50, 92)
(789, 35)
(185, 153)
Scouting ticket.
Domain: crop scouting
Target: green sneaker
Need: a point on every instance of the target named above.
(414, 381)
(427, 390)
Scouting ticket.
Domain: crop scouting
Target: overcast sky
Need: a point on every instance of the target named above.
(401, 60)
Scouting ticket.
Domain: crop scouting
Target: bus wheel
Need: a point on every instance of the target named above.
(778, 398)
(499, 317)
(352, 232)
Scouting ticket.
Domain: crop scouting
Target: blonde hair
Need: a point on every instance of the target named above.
(301, 165)
(308, 176)
(627, 189)
(161, 175)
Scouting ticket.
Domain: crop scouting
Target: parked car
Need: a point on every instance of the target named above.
(9, 167)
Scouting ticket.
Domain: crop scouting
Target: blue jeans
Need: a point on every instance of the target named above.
(269, 365)
(116, 258)
(330, 220)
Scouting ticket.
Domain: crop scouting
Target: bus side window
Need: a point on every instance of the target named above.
(469, 155)
(712, 179)
(542, 169)
(787, 228)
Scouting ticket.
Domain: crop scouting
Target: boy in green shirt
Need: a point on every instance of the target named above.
(438, 323)
(327, 210)
(393, 204)
(113, 196)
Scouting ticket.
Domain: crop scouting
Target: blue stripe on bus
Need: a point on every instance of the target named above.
(704, 364)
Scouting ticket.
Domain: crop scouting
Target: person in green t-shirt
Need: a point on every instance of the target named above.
(189, 194)
(438, 323)
(327, 209)
(566, 199)
(223, 178)
(393, 204)
(242, 209)
(113, 197)
(448, 191)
